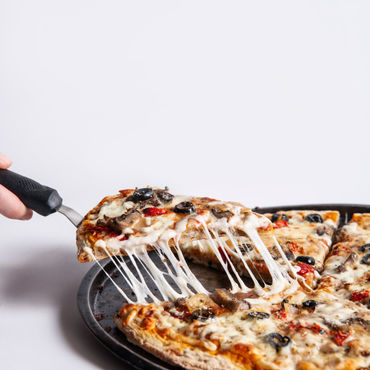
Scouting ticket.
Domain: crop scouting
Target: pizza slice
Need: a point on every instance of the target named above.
(304, 236)
(347, 268)
(138, 220)
(146, 216)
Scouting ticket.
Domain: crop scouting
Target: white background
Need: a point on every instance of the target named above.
(263, 102)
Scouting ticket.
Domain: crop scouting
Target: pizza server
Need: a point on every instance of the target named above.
(39, 198)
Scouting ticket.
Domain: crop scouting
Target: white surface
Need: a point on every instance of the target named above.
(262, 102)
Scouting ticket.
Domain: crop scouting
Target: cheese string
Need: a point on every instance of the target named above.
(177, 271)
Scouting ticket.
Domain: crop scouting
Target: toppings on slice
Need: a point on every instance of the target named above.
(306, 259)
(315, 328)
(305, 269)
(339, 337)
(277, 340)
(142, 194)
(258, 315)
(164, 196)
(364, 248)
(314, 217)
(153, 211)
(280, 223)
(293, 246)
(311, 303)
(198, 301)
(279, 217)
(281, 314)
(221, 214)
(185, 207)
(360, 295)
(228, 300)
(202, 314)
(366, 259)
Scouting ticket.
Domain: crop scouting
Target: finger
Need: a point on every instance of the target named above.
(5, 161)
(12, 207)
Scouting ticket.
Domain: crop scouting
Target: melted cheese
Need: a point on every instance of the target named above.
(157, 232)
(115, 208)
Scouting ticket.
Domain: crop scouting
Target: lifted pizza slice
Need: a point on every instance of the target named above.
(146, 216)
(136, 221)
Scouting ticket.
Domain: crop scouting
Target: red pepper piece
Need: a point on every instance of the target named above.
(280, 223)
(281, 314)
(317, 329)
(305, 269)
(153, 211)
(360, 295)
(295, 326)
(339, 337)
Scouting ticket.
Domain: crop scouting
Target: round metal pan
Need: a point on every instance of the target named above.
(98, 300)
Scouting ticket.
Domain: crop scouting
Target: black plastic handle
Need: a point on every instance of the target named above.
(40, 198)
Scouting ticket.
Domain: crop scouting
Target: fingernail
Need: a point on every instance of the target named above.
(27, 215)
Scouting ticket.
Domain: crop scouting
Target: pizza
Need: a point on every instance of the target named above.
(323, 323)
(148, 215)
(305, 237)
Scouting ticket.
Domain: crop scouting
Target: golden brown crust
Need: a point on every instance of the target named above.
(175, 352)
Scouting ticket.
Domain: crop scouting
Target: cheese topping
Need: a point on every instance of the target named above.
(174, 278)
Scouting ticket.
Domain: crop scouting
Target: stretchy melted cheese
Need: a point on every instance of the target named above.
(130, 227)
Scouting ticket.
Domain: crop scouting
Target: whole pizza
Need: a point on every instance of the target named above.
(298, 283)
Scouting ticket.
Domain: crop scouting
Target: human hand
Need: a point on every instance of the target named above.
(10, 204)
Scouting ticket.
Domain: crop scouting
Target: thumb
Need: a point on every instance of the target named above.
(5, 161)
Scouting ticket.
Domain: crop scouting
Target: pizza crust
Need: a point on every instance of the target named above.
(174, 352)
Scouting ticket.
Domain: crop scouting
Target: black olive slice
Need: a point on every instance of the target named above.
(314, 217)
(258, 315)
(364, 248)
(164, 196)
(279, 216)
(306, 259)
(311, 303)
(277, 340)
(142, 194)
(184, 207)
(366, 259)
(202, 314)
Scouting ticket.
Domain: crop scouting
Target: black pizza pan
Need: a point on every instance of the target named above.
(98, 300)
